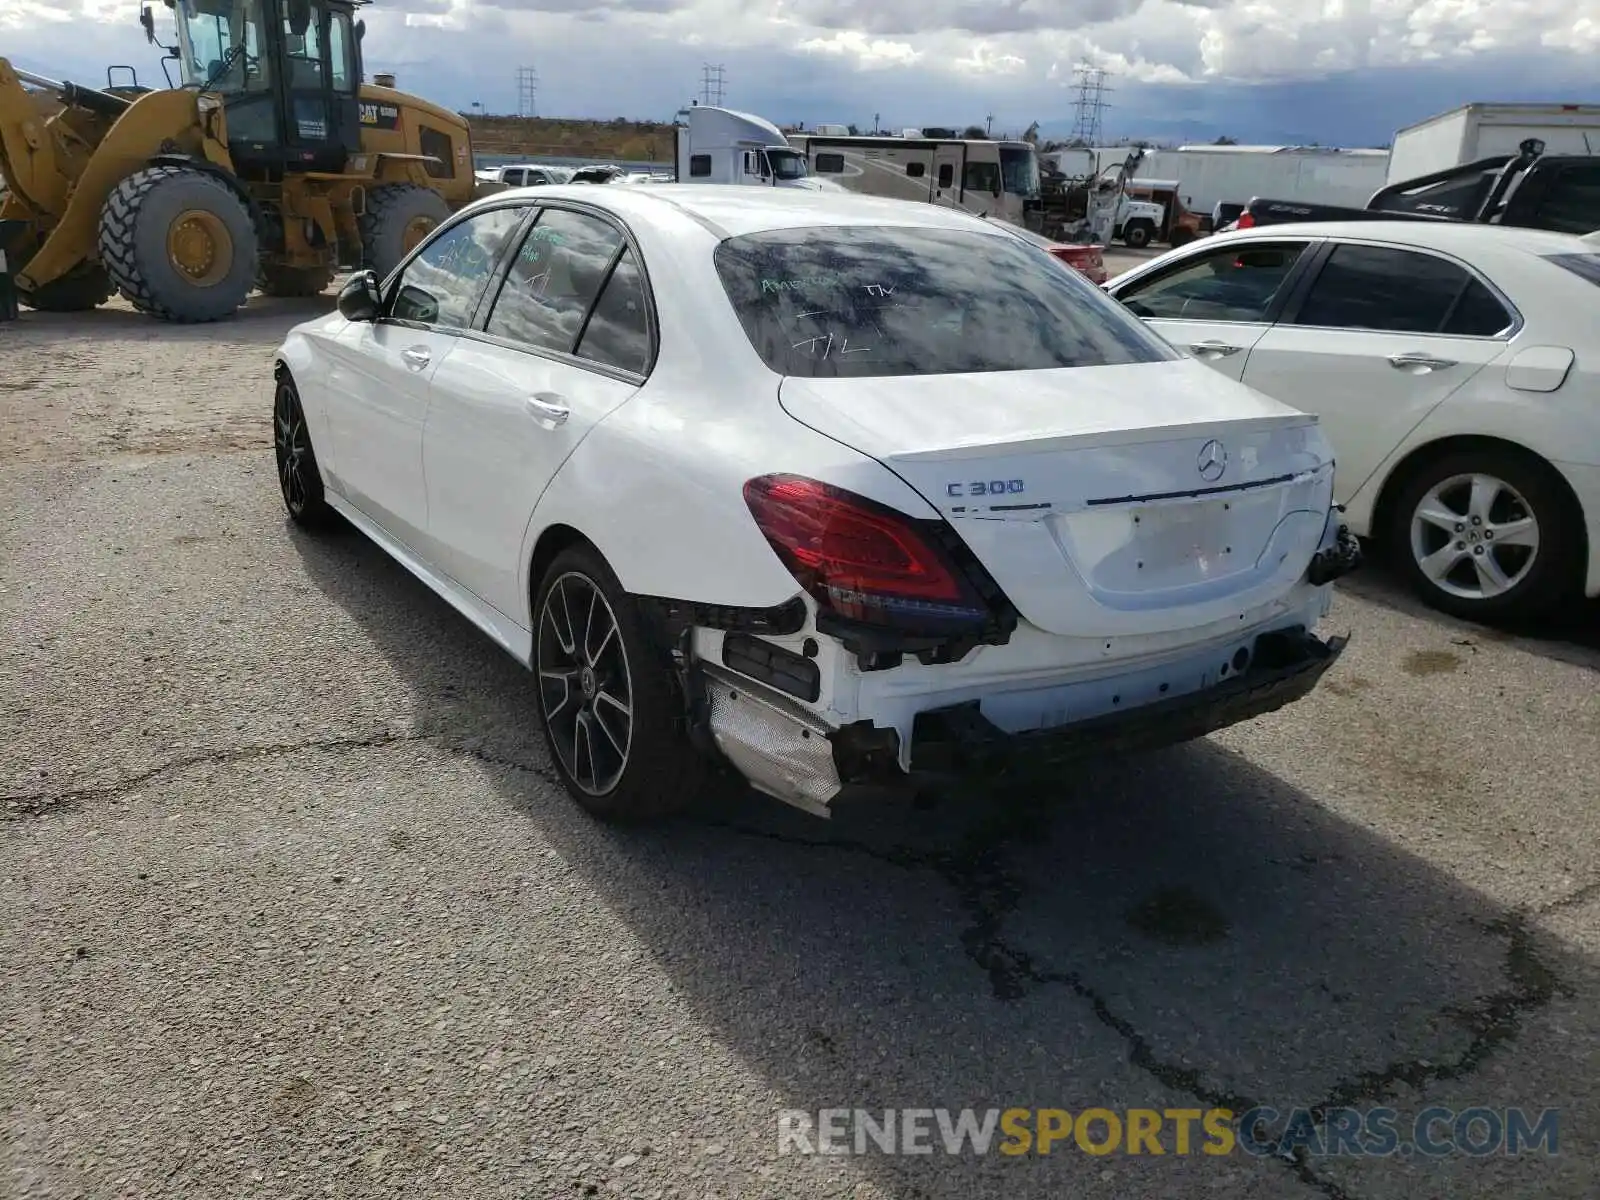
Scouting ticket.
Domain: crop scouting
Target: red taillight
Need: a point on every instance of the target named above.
(1245, 221)
(857, 558)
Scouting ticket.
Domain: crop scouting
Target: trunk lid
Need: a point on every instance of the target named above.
(1104, 501)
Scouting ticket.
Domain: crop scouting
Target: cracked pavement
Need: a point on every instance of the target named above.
(289, 905)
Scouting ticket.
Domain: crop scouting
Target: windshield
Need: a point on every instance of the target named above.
(861, 301)
(788, 164)
(220, 45)
(1019, 169)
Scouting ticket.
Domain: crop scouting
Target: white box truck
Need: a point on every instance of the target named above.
(1478, 131)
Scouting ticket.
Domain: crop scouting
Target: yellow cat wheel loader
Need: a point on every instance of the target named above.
(269, 164)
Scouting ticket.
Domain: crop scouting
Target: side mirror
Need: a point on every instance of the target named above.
(361, 30)
(299, 17)
(148, 21)
(359, 299)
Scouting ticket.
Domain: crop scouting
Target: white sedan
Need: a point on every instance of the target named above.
(1456, 370)
(828, 489)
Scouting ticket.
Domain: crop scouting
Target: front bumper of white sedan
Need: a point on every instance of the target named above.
(800, 721)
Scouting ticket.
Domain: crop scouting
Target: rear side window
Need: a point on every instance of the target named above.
(858, 301)
(916, 170)
(1389, 290)
(437, 144)
(553, 280)
(830, 164)
(1234, 284)
(699, 165)
(1572, 205)
(618, 332)
(1584, 266)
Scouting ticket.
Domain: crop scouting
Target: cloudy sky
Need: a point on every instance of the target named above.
(1334, 71)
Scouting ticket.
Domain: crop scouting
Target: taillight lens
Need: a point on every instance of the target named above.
(860, 559)
(1245, 221)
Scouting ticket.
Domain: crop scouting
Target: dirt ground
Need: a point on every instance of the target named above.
(289, 905)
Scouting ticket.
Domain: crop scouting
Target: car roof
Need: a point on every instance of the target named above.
(1455, 237)
(731, 210)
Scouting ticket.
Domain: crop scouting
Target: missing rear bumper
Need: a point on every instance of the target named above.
(1287, 665)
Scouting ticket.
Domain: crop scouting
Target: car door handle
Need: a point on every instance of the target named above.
(547, 406)
(1421, 363)
(417, 357)
(1218, 349)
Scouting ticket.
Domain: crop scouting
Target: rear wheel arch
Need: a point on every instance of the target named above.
(1539, 587)
(1402, 472)
(552, 541)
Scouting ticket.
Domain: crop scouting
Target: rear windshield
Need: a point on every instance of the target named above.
(855, 300)
(1585, 266)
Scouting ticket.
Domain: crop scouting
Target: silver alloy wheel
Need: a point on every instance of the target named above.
(293, 448)
(585, 688)
(1474, 536)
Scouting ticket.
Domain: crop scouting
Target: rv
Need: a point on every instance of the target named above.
(994, 178)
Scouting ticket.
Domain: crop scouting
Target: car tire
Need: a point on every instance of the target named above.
(1137, 235)
(613, 719)
(299, 477)
(1457, 566)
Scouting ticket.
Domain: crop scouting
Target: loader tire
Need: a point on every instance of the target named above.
(179, 244)
(80, 290)
(294, 281)
(398, 216)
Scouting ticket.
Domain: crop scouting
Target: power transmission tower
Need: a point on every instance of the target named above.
(713, 80)
(1089, 110)
(527, 92)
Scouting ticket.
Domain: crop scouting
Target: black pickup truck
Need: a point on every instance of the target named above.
(1528, 189)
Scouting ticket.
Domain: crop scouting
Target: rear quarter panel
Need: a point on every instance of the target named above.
(658, 485)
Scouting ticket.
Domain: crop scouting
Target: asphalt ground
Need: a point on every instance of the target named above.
(290, 907)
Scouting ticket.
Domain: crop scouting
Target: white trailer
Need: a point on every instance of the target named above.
(1212, 176)
(1483, 130)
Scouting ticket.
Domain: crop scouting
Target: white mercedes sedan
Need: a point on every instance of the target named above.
(827, 491)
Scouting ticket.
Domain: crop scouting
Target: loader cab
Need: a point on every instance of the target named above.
(288, 73)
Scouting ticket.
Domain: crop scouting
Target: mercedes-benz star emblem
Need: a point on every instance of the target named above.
(1213, 460)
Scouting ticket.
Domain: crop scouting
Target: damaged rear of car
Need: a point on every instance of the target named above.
(1115, 547)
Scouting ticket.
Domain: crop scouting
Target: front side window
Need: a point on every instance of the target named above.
(222, 45)
(1236, 284)
(862, 300)
(555, 277)
(1388, 289)
(981, 177)
(788, 164)
(440, 287)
